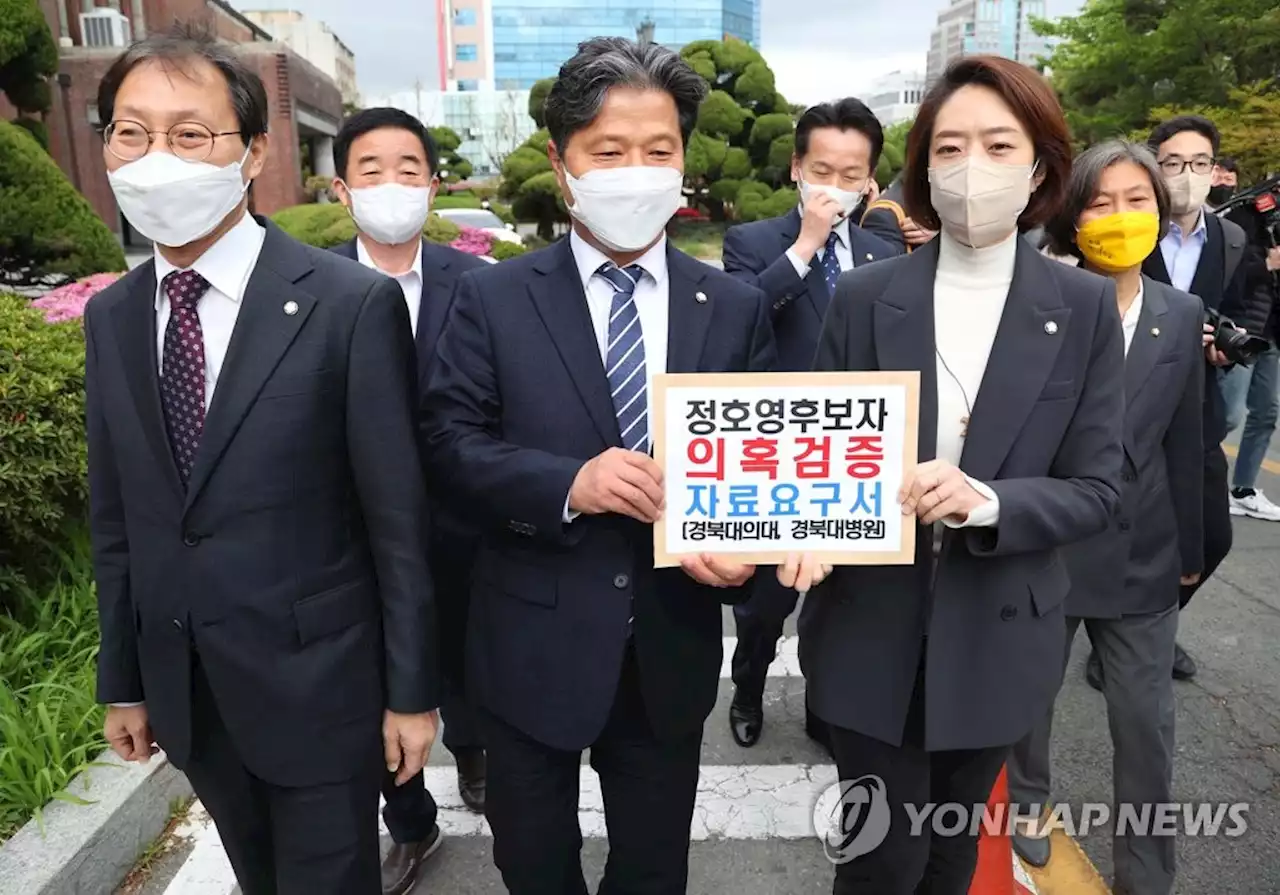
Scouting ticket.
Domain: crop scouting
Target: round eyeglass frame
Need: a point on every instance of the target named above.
(169, 139)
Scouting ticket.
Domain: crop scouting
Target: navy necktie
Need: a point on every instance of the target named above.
(624, 358)
(830, 263)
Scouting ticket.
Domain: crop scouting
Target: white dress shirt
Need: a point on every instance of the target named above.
(410, 281)
(1130, 320)
(970, 291)
(844, 250)
(652, 298)
(226, 266)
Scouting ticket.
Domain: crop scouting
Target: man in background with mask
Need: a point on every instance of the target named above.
(537, 420)
(796, 259)
(387, 165)
(1200, 254)
(257, 503)
(1226, 180)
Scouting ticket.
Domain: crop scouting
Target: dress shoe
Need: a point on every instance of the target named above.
(471, 778)
(1184, 667)
(746, 720)
(1034, 850)
(1092, 674)
(403, 864)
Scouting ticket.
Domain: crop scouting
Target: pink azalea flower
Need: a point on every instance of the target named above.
(473, 241)
(67, 302)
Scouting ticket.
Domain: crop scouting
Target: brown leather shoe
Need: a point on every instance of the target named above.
(403, 864)
(471, 778)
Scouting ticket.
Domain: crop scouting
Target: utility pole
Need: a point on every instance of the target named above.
(644, 31)
(417, 91)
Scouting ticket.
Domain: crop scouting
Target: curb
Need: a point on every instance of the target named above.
(90, 849)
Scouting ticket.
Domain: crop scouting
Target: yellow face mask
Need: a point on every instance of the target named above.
(1119, 242)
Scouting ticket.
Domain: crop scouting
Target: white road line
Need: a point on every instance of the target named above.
(787, 663)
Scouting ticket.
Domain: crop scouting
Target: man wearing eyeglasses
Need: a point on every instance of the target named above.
(256, 497)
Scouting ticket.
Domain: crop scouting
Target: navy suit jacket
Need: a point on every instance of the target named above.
(1157, 534)
(517, 404)
(756, 254)
(986, 618)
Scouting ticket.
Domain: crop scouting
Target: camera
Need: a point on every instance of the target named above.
(1238, 346)
(1262, 203)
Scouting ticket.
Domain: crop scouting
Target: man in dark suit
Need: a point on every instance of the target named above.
(795, 259)
(386, 163)
(1200, 254)
(257, 504)
(537, 420)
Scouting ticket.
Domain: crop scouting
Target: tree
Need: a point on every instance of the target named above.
(538, 101)
(894, 155)
(28, 58)
(1119, 59)
(531, 186)
(1248, 122)
(509, 130)
(454, 166)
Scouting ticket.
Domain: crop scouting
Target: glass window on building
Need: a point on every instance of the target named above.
(468, 85)
(464, 17)
(466, 53)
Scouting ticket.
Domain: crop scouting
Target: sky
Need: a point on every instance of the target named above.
(818, 49)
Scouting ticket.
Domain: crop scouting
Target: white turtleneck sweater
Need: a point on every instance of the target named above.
(968, 300)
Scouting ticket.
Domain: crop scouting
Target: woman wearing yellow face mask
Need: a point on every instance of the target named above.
(1124, 582)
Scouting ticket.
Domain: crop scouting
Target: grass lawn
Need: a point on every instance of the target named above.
(701, 240)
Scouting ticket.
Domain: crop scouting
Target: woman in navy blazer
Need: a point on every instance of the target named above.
(927, 674)
(1125, 581)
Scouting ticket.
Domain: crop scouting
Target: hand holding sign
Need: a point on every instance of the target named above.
(802, 571)
(717, 571)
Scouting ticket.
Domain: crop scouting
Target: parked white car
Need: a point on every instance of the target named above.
(481, 219)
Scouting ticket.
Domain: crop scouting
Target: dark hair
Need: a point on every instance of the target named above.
(367, 120)
(1082, 188)
(1033, 103)
(848, 114)
(1167, 130)
(603, 63)
(1229, 164)
(177, 48)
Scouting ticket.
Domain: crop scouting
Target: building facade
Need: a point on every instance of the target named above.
(305, 104)
(999, 27)
(315, 42)
(896, 97)
(508, 45)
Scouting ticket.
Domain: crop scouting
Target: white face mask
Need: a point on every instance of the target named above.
(846, 199)
(174, 203)
(979, 201)
(1188, 191)
(391, 213)
(626, 208)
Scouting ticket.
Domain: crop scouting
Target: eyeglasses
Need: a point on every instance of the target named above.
(1174, 165)
(188, 140)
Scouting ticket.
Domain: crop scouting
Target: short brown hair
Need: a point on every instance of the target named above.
(1033, 103)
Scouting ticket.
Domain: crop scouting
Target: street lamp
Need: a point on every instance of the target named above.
(644, 32)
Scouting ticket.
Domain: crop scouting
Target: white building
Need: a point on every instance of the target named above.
(896, 97)
(491, 123)
(997, 27)
(314, 42)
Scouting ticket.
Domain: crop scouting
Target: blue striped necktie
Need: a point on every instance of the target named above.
(831, 263)
(624, 359)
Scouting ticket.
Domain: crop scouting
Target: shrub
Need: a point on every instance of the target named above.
(457, 200)
(50, 724)
(325, 226)
(502, 250)
(47, 229)
(42, 447)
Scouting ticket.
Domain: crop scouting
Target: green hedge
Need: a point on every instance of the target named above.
(42, 449)
(46, 226)
(325, 226)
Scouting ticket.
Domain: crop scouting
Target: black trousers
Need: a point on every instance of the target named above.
(410, 811)
(648, 785)
(1217, 519)
(906, 864)
(313, 840)
(759, 624)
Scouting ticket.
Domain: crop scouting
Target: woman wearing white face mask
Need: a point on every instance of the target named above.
(927, 674)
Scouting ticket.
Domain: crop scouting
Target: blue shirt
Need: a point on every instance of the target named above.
(1182, 253)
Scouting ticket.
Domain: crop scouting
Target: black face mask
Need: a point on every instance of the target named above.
(1220, 194)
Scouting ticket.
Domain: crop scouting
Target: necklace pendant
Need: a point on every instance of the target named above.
(964, 427)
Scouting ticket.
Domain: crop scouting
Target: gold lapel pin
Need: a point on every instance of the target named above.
(1051, 327)
(291, 308)
(1155, 330)
(700, 298)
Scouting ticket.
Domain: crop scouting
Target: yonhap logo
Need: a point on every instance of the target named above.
(851, 818)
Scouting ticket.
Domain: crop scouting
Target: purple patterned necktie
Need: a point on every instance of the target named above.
(182, 370)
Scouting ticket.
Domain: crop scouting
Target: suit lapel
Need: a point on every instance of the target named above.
(262, 334)
(816, 286)
(1154, 266)
(134, 320)
(433, 309)
(1030, 334)
(689, 312)
(562, 304)
(1207, 283)
(1145, 349)
(904, 336)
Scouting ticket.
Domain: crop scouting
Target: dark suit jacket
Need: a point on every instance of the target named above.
(519, 401)
(1157, 534)
(756, 254)
(1220, 284)
(292, 562)
(1046, 436)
